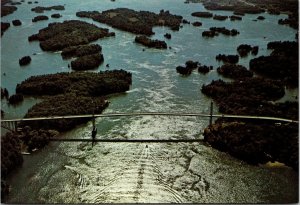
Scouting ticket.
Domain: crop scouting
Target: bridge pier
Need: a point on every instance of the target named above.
(211, 113)
(94, 131)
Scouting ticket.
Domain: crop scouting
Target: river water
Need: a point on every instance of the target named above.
(140, 172)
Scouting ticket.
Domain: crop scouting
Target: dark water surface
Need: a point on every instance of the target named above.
(134, 172)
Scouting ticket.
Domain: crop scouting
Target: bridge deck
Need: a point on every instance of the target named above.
(152, 114)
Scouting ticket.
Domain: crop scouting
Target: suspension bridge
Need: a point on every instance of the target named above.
(12, 124)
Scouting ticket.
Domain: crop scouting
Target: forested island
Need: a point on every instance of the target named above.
(263, 141)
(75, 93)
(137, 22)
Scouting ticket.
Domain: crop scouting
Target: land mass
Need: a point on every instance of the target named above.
(137, 22)
(282, 64)
(74, 93)
(58, 36)
(71, 37)
(240, 7)
(41, 9)
(257, 141)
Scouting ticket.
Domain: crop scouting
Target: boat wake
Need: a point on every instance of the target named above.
(132, 177)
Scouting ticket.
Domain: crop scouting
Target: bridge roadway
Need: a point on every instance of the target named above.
(152, 114)
(13, 123)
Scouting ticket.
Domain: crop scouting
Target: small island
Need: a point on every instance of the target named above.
(220, 17)
(193, 65)
(202, 14)
(40, 18)
(204, 69)
(41, 9)
(234, 71)
(87, 62)
(17, 22)
(24, 60)
(245, 49)
(235, 18)
(282, 64)
(233, 59)
(56, 16)
(197, 24)
(58, 36)
(189, 67)
(215, 31)
(144, 40)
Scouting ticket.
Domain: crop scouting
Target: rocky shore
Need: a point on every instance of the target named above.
(137, 22)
